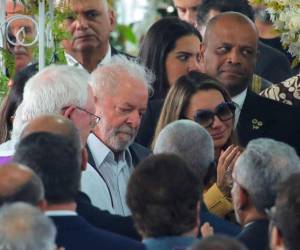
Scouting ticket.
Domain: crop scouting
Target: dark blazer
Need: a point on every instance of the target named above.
(75, 233)
(149, 122)
(272, 64)
(122, 225)
(255, 235)
(262, 117)
(220, 225)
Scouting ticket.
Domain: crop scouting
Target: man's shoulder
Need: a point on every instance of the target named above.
(138, 152)
(114, 52)
(255, 235)
(74, 232)
(264, 103)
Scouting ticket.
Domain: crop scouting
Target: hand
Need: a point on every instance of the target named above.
(206, 230)
(225, 166)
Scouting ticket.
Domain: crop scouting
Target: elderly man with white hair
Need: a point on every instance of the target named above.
(192, 143)
(264, 165)
(58, 89)
(121, 89)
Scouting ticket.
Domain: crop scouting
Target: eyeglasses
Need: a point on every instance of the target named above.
(206, 117)
(94, 118)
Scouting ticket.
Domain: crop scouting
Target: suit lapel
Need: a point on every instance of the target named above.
(252, 122)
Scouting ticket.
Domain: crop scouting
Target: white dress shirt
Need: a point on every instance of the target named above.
(106, 186)
(71, 61)
(239, 101)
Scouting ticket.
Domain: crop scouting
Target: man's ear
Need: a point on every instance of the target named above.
(276, 242)
(112, 19)
(67, 112)
(84, 159)
(243, 198)
(42, 205)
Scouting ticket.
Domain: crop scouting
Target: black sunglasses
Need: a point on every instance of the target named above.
(224, 111)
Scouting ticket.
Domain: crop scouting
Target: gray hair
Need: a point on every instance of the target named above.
(23, 227)
(190, 141)
(52, 89)
(262, 167)
(105, 79)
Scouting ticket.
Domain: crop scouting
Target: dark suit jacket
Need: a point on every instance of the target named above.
(220, 225)
(272, 64)
(105, 220)
(149, 121)
(262, 117)
(75, 233)
(255, 235)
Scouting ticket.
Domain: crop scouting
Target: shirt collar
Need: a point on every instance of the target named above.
(60, 213)
(240, 99)
(100, 151)
(71, 61)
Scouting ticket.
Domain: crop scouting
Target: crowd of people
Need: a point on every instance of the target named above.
(182, 147)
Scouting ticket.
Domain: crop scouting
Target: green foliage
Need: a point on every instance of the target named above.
(122, 35)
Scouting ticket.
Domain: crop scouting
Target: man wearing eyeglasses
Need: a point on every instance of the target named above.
(230, 56)
(121, 94)
(261, 168)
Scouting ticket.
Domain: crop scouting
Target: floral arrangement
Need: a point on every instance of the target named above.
(285, 15)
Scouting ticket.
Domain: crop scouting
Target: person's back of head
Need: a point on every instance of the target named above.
(23, 227)
(191, 142)
(50, 91)
(20, 183)
(218, 242)
(285, 218)
(163, 195)
(260, 169)
(56, 159)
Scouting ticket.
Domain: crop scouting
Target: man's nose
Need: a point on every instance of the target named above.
(234, 56)
(81, 23)
(134, 119)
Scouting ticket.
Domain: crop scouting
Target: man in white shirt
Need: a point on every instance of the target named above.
(121, 94)
(90, 23)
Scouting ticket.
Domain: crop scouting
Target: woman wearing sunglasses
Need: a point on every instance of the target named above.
(201, 98)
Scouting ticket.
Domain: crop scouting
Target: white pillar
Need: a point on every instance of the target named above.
(41, 34)
(2, 30)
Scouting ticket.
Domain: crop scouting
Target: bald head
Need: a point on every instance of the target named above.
(228, 17)
(19, 183)
(55, 124)
(229, 51)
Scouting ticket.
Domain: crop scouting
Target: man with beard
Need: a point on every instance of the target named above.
(230, 56)
(121, 94)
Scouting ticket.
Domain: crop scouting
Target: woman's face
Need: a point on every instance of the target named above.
(209, 100)
(184, 58)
